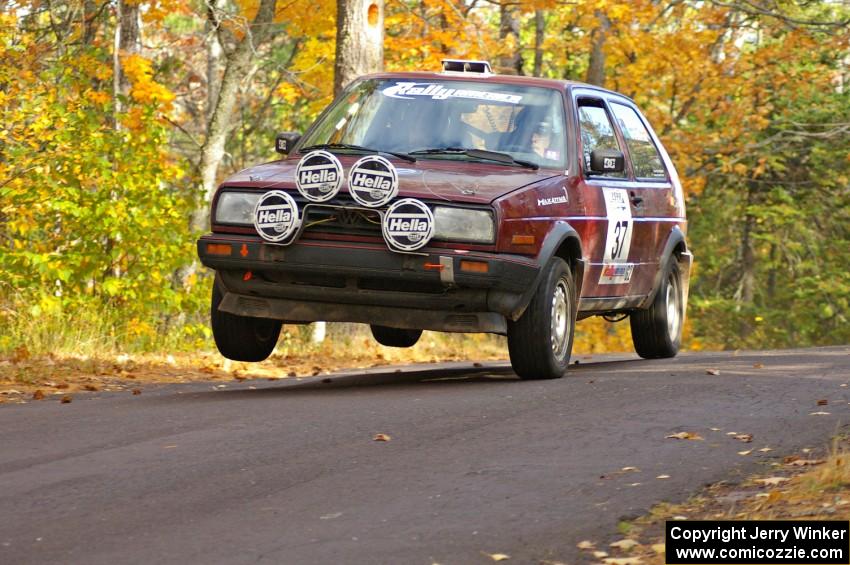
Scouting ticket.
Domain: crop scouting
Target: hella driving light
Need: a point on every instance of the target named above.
(463, 224)
(236, 208)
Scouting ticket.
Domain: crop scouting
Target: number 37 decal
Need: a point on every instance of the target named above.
(618, 241)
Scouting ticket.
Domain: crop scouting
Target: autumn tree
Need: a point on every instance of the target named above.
(359, 40)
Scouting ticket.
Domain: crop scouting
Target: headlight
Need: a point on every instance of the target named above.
(236, 208)
(463, 224)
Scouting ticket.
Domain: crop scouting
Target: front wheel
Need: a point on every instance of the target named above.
(541, 341)
(242, 338)
(657, 331)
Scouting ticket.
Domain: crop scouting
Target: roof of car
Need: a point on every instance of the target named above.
(496, 78)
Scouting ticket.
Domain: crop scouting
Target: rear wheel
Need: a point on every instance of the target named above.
(395, 337)
(541, 341)
(242, 338)
(657, 331)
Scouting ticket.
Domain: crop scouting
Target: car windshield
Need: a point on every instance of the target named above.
(407, 116)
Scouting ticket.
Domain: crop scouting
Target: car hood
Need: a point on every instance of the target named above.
(429, 179)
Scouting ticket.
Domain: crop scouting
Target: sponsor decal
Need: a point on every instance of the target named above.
(407, 225)
(276, 216)
(616, 273)
(412, 90)
(565, 199)
(318, 176)
(373, 181)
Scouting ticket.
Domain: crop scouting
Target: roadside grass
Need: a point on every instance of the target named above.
(803, 486)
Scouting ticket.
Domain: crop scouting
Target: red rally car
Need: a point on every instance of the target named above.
(458, 201)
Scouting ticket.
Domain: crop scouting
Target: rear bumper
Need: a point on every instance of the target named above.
(363, 282)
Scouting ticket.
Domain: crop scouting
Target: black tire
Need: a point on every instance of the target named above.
(657, 331)
(395, 337)
(242, 338)
(541, 341)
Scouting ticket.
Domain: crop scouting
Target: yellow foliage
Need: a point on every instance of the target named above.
(144, 89)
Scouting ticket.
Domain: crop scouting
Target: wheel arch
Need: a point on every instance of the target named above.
(562, 241)
(676, 249)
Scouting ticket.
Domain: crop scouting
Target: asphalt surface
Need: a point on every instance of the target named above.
(478, 461)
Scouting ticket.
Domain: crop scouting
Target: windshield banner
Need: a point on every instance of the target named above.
(410, 90)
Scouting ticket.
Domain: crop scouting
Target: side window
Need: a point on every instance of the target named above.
(645, 158)
(596, 132)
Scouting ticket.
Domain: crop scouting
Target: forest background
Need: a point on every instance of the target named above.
(118, 117)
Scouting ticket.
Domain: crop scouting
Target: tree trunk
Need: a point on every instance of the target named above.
(509, 63)
(359, 40)
(596, 66)
(238, 62)
(215, 65)
(539, 35)
(128, 40)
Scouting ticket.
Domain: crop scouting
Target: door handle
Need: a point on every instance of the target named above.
(637, 201)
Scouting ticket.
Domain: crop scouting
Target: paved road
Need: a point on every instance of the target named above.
(478, 461)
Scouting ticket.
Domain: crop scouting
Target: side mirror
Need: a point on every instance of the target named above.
(284, 142)
(603, 161)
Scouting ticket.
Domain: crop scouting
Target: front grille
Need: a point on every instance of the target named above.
(347, 220)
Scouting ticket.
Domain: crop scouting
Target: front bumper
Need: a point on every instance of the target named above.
(367, 283)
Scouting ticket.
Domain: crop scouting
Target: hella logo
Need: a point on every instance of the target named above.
(373, 181)
(276, 217)
(408, 225)
(318, 176)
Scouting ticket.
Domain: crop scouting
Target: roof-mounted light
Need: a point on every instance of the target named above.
(462, 66)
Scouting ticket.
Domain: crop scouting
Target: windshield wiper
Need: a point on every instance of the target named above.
(478, 154)
(403, 156)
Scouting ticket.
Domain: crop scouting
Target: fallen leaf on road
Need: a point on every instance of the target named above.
(381, 437)
(600, 554)
(685, 435)
(805, 462)
(823, 402)
(630, 469)
(624, 544)
(586, 544)
(713, 372)
(747, 452)
(66, 399)
(137, 391)
(771, 481)
(715, 429)
(91, 388)
(622, 561)
(819, 413)
(746, 438)
(659, 548)
(497, 556)
(635, 484)
(765, 449)
(663, 477)
(38, 395)
(758, 365)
